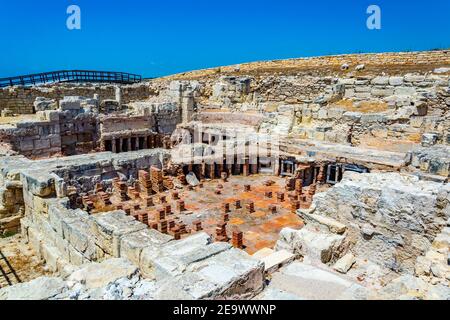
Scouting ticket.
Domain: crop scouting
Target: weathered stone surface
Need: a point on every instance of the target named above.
(312, 283)
(97, 275)
(43, 104)
(344, 263)
(177, 249)
(42, 288)
(229, 274)
(192, 179)
(412, 288)
(331, 224)
(276, 260)
(131, 245)
(316, 245)
(109, 228)
(404, 213)
(277, 294)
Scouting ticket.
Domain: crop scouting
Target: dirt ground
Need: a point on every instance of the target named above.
(18, 262)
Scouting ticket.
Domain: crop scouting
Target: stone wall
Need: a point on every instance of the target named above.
(20, 99)
(67, 239)
(29, 189)
(77, 127)
(386, 112)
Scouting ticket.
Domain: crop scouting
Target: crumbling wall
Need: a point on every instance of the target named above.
(68, 238)
(391, 218)
(11, 206)
(386, 112)
(36, 192)
(20, 100)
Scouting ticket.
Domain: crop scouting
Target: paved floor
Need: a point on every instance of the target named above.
(260, 228)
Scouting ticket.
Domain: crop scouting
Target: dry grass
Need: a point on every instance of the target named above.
(326, 65)
(10, 120)
(363, 107)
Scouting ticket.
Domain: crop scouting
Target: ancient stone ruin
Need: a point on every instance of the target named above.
(290, 179)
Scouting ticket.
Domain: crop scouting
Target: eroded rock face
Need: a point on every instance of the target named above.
(412, 288)
(43, 104)
(392, 218)
(97, 275)
(42, 288)
(308, 282)
(316, 245)
(215, 274)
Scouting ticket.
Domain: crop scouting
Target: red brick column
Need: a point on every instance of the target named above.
(237, 240)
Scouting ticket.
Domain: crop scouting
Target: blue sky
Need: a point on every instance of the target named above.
(155, 38)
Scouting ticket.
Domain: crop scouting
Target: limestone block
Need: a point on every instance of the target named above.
(98, 275)
(75, 257)
(58, 215)
(35, 241)
(51, 256)
(380, 80)
(310, 282)
(262, 253)
(71, 103)
(170, 263)
(394, 204)
(131, 245)
(43, 226)
(414, 78)
(381, 92)
(40, 205)
(352, 116)
(396, 81)
(349, 93)
(38, 183)
(276, 260)
(408, 91)
(41, 144)
(368, 118)
(315, 245)
(42, 288)
(441, 70)
(108, 229)
(62, 245)
(231, 274)
(347, 81)
(345, 263)
(51, 115)
(26, 144)
(77, 234)
(335, 113)
(362, 89)
(151, 253)
(429, 139)
(331, 224)
(42, 104)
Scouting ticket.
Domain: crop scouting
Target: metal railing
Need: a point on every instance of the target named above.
(71, 76)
